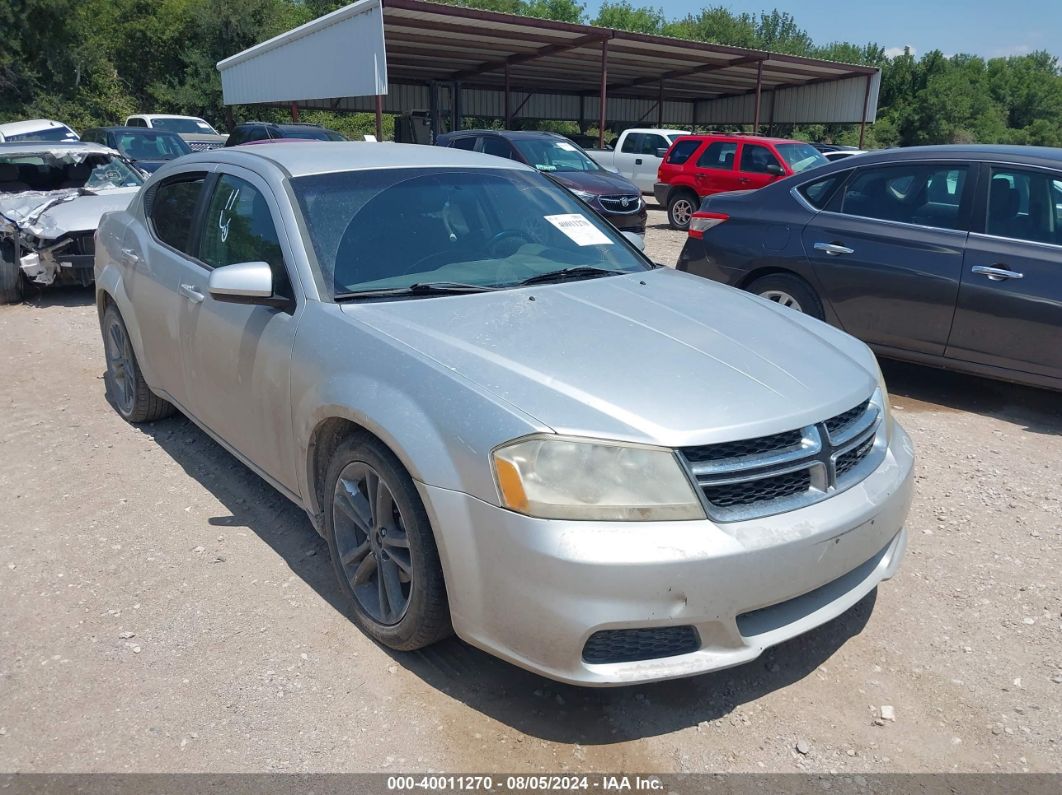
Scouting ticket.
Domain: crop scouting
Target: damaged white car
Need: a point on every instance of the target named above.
(52, 196)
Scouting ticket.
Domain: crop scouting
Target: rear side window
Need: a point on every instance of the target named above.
(468, 143)
(719, 154)
(818, 193)
(682, 151)
(173, 210)
(1025, 205)
(918, 193)
(496, 146)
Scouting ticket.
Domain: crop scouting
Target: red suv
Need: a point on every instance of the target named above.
(696, 166)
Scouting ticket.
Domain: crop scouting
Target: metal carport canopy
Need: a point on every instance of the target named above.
(499, 65)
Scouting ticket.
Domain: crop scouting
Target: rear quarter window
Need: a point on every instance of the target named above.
(819, 192)
(682, 151)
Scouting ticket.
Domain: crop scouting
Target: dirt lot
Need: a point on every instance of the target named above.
(164, 610)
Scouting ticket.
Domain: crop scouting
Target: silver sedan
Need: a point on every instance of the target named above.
(505, 420)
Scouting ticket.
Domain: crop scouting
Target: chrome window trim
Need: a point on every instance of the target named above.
(1051, 246)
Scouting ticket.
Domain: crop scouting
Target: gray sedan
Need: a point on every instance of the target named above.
(505, 421)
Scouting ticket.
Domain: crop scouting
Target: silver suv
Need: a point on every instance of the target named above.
(503, 418)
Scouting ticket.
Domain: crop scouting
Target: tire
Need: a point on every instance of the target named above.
(12, 284)
(680, 206)
(383, 550)
(130, 395)
(789, 290)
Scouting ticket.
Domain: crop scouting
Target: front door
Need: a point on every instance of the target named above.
(1009, 312)
(888, 252)
(757, 166)
(236, 358)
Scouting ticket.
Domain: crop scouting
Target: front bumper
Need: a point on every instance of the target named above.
(533, 591)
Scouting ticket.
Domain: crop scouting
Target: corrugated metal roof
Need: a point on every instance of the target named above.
(556, 61)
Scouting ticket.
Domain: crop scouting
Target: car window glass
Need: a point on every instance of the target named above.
(496, 146)
(652, 142)
(173, 210)
(553, 154)
(467, 143)
(238, 227)
(1025, 205)
(757, 159)
(719, 154)
(818, 193)
(916, 193)
(632, 143)
(682, 152)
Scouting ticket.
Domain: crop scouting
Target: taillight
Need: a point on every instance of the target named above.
(702, 221)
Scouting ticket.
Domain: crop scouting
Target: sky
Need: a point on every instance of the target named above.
(990, 28)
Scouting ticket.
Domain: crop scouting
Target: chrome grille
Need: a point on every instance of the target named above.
(757, 477)
(202, 146)
(621, 204)
(631, 645)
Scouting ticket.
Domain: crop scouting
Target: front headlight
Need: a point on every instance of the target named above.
(586, 197)
(886, 409)
(554, 477)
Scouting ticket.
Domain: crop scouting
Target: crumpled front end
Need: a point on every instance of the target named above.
(38, 242)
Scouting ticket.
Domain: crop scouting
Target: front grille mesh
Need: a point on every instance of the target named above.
(752, 491)
(835, 425)
(632, 645)
(615, 203)
(847, 461)
(763, 444)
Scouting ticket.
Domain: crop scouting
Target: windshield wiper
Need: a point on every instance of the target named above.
(578, 272)
(419, 288)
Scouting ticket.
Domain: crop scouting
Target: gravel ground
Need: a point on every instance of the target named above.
(165, 610)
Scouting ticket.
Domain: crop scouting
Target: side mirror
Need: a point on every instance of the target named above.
(661, 151)
(245, 283)
(774, 169)
(637, 240)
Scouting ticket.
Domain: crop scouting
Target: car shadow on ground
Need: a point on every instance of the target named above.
(916, 388)
(58, 295)
(527, 702)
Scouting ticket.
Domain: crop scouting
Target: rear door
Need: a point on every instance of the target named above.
(888, 251)
(755, 165)
(1009, 311)
(236, 358)
(716, 169)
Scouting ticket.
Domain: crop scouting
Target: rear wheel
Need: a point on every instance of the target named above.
(681, 206)
(789, 291)
(382, 547)
(12, 285)
(126, 387)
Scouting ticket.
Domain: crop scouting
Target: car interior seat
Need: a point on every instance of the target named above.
(1003, 202)
(11, 179)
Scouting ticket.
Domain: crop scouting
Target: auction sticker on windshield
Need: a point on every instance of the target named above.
(579, 229)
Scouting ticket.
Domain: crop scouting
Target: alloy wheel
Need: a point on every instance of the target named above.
(682, 210)
(120, 366)
(372, 543)
(783, 298)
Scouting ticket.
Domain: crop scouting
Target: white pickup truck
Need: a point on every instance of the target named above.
(637, 154)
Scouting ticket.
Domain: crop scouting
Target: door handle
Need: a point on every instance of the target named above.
(192, 294)
(996, 274)
(130, 256)
(833, 249)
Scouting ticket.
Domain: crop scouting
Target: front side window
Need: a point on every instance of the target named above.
(552, 154)
(758, 159)
(682, 151)
(652, 142)
(1025, 205)
(149, 145)
(719, 154)
(389, 229)
(238, 227)
(172, 210)
(801, 157)
(916, 193)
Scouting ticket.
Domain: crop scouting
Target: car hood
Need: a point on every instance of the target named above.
(55, 213)
(659, 357)
(603, 183)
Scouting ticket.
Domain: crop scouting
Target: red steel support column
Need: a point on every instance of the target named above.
(508, 116)
(759, 90)
(866, 105)
(604, 95)
(294, 113)
(379, 117)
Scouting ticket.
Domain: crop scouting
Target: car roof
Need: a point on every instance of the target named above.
(30, 125)
(299, 159)
(133, 130)
(162, 116)
(756, 139)
(1043, 155)
(512, 135)
(29, 147)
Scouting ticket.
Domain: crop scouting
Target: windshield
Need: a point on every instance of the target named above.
(49, 134)
(553, 154)
(150, 145)
(801, 157)
(186, 125)
(393, 228)
(45, 172)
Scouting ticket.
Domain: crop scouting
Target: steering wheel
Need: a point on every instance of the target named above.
(505, 234)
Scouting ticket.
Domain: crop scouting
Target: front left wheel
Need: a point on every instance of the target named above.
(12, 285)
(382, 547)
